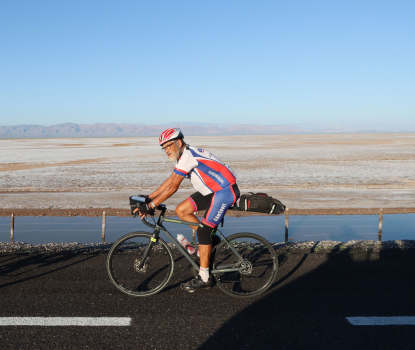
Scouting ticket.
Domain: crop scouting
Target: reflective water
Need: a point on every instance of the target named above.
(344, 228)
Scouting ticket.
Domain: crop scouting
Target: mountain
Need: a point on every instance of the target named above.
(125, 130)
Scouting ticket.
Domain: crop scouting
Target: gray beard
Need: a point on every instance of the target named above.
(173, 159)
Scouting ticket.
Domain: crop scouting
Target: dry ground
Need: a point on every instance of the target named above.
(320, 172)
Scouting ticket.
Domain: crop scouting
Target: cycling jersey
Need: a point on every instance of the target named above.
(206, 172)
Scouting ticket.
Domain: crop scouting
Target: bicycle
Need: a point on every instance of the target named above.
(142, 263)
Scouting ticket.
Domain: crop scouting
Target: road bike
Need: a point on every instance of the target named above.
(142, 263)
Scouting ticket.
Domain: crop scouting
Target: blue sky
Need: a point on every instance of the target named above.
(308, 63)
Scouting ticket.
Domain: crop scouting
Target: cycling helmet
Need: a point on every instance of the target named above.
(169, 135)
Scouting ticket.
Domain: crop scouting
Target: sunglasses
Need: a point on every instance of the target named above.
(168, 145)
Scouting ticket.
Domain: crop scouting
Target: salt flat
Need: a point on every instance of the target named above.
(303, 171)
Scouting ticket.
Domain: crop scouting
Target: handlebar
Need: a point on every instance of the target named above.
(163, 209)
(139, 199)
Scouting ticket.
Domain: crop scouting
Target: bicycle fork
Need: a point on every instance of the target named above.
(143, 259)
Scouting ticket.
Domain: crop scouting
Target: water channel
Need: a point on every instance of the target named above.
(44, 229)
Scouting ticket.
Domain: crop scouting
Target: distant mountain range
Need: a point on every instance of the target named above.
(128, 130)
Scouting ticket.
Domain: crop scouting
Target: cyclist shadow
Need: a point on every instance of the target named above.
(292, 269)
(16, 269)
(308, 306)
(183, 272)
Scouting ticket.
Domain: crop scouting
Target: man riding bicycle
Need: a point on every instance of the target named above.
(216, 188)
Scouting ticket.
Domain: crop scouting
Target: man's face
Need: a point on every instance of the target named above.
(172, 150)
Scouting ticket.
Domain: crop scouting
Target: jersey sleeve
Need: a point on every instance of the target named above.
(185, 164)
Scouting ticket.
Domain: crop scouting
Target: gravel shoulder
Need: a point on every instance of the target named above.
(319, 247)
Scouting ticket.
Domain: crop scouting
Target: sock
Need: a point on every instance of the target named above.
(204, 274)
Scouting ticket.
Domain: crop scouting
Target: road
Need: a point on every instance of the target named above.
(306, 308)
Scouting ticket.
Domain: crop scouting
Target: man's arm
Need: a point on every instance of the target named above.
(166, 189)
(160, 189)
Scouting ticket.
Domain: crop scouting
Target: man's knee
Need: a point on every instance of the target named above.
(179, 211)
(184, 209)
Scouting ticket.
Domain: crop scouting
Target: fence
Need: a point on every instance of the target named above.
(380, 225)
(287, 214)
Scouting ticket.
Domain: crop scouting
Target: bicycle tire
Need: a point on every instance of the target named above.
(123, 264)
(256, 273)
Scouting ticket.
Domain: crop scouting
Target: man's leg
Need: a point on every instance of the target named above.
(216, 205)
(204, 251)
(185, 211)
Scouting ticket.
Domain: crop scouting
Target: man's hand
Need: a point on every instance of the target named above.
(145, 209)
(142, 209)
(137, 211)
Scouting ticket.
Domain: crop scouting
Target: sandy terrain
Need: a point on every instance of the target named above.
(303, 171)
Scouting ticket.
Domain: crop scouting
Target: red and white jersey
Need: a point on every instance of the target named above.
(207, 173)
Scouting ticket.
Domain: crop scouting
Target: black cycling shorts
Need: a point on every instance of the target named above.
(216, 204)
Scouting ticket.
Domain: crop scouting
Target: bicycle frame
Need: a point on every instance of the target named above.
(158, 226)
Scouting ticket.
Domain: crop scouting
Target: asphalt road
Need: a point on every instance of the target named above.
(305, 309)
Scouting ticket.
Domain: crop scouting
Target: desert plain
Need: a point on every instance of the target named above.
(307, 171)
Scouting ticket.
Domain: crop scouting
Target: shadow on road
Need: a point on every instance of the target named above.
(16, 269)
(307, 309)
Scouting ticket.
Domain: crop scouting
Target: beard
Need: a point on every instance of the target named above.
(174, 156)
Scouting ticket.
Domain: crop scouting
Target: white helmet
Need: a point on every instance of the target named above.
(169, 135)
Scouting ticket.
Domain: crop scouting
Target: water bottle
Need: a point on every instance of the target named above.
(186, 244)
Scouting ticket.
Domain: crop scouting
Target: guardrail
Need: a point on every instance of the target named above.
(103, 226)
(289, 212)
(380, 225)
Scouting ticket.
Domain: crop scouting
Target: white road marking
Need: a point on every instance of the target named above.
(382, 321)
(66, 321)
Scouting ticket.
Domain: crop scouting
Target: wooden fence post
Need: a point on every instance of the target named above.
(103, 226)
(380, 225)
(12, 228)
(286, 225)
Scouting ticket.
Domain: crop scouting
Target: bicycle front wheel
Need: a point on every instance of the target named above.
(254, 270)
(136, 270)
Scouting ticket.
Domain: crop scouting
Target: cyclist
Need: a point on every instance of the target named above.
(216, 188)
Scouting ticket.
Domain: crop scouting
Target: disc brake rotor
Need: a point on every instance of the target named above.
(137, 263)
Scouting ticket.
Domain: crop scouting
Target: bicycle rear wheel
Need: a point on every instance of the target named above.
(134, 274)
(255, 272)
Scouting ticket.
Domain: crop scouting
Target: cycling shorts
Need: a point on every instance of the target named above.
(216, 204)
